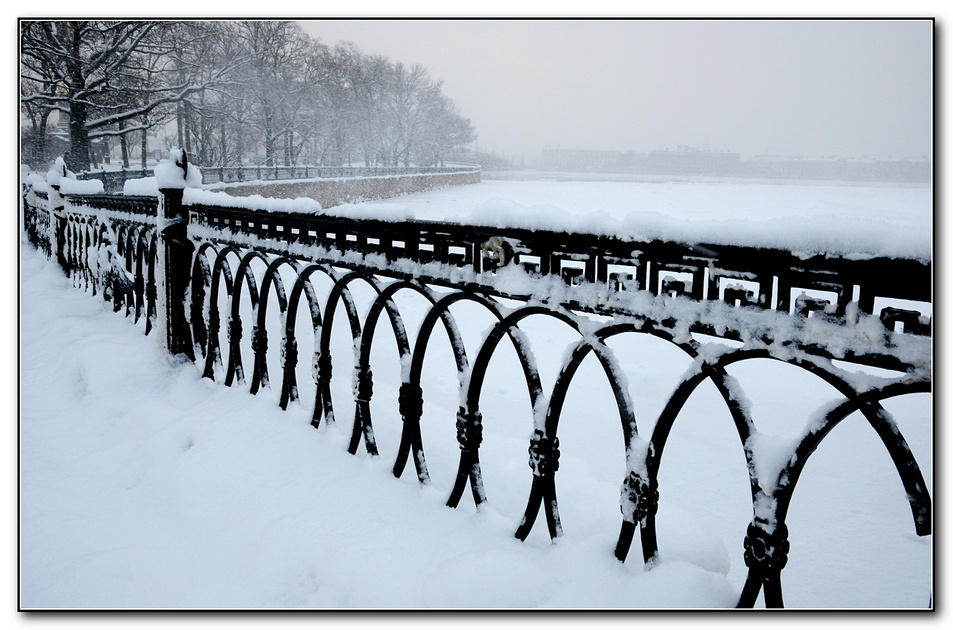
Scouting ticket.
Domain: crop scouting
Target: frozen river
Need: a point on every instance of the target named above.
(850, 219)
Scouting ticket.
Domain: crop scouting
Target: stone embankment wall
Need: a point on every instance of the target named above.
(334, 192)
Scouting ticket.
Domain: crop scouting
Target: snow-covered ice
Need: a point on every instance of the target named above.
(857, 220)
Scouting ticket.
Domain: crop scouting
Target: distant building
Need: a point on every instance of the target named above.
(586, 160)
(776, 167)
(686, 160)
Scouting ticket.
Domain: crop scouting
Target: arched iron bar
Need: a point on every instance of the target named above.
(72, 242)
(639, 502)
(289, 353)
(119, 293)
(139, 281)
(640, 492)
(201, 280)
(68, 248)
(129, 254)
(760, 534)
(236, 372)
(743, 425)
(221, 271)
(544, 450)
(102, 234)
(364, 382)
(259, 332)
(111, 275)
(871, 400)
(412, 398)
(83, 254)
(151, 286)
(867, 403)
(617, 380)
(339, 293)
(878, 418)
(470, 427)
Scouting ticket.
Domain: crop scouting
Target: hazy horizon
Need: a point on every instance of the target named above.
(792, 87)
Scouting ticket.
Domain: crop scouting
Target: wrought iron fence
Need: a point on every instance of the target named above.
(213, 258)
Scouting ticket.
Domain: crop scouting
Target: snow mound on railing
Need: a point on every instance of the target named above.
(81, 187)
(855, 221)
(145, 186)
(298, 205)
(168, 173)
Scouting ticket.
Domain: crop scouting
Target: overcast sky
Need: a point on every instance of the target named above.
(810, 88)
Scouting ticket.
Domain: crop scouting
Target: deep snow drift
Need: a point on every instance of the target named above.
(143, 485)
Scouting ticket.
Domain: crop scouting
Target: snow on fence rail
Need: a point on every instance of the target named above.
(178, 262)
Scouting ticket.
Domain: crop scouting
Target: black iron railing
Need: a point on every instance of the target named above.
(217, 258)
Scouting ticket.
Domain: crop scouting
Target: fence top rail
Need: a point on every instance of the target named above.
(438, 252)
(536, 241)
(825, 338)
(455, 255)
(911, 277)
(145, 206)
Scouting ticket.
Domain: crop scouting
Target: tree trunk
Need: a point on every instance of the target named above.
(269, 145)
(178, 122)
(78, 137)
(239, 147)
(40, 145)
(187, 127)
(145, 146)
(122, 145)
(223, 146)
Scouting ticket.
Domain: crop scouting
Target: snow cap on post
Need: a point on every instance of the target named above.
(176, 172)
(58, 172)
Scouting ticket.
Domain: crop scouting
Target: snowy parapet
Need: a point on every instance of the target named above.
(169, 173)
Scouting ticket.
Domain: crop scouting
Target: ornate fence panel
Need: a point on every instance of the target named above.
(106, 244)
(227, 272)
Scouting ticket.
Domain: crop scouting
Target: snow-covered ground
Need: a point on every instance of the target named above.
(143, 485)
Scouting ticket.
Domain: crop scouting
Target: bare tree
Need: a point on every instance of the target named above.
(235, 89)
(90, 69)
(271, 78)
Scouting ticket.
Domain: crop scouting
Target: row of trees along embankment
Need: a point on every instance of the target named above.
(230, 92)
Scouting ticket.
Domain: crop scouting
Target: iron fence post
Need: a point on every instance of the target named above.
(57, 226)
(175, 259)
